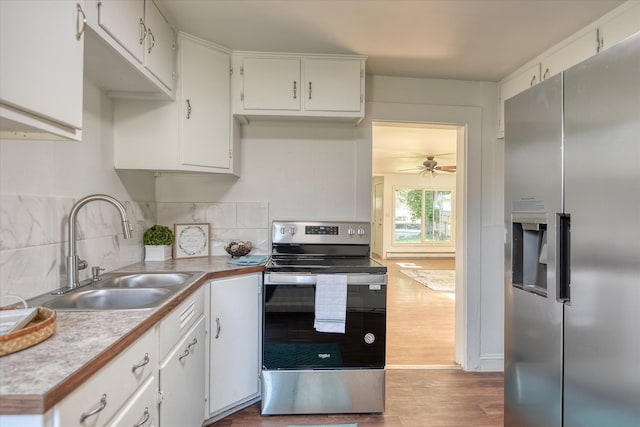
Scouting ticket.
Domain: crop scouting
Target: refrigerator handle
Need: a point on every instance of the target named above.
(563, 285)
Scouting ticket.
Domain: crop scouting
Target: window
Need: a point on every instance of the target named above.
(423, 216)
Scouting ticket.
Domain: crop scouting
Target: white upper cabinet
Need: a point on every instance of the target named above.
(621, 25)
(41, 57)
(332, 85)
(569, 55)
(160, 55)
(204, 94)
(196, 133)
(289, 85)
(271, 84)
(610, 29)
(124, 21)
(130, 49)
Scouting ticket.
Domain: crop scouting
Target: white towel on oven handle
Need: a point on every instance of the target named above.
(331, 303)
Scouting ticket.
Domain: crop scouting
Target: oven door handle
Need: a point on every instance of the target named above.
(311, 279)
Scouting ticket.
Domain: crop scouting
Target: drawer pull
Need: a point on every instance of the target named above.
(194, 342)
(145, 361)
(146, 418)
(183, 355)
(103, 404)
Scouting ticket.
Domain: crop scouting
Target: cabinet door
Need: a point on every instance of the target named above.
(41, 59)
(206, 121)
(124, 21)
(271, 84)
(576, 51)
(182, 382)
(161, 46)
(235, 335)
(332, 85)
(621, 26)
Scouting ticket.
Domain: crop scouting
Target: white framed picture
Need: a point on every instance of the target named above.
(192, 240)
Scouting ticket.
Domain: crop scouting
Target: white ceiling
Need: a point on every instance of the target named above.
(453, 39)
(402, 147)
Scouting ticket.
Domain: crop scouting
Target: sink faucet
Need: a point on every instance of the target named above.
(74, 264)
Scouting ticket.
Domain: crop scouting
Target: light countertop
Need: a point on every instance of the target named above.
(35, 379)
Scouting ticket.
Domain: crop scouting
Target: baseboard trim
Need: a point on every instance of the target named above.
(425, 367)
(492, 363)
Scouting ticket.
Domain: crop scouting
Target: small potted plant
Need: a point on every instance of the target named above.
(157, 243)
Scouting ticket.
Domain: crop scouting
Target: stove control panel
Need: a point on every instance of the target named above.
(327, 232)
(332, 230)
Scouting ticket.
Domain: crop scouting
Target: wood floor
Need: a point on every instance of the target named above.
(420, 322)
(420, 331)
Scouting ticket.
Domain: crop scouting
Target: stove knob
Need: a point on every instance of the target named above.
(369, 338)
(351, 231)
(282, 230)
(360, 231)
(292, 231)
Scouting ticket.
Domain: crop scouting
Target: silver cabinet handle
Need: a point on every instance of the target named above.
(183, 355)
(144, 362)
(194, 342)
(309, 90)
(533, 81)
(217, 327)
(188, 109)
(153, 40)
(103, 404)
(145, 419)
(143, 31)
(295, 89)
(79, 29)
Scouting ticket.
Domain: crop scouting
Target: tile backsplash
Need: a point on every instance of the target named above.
(228, 221)
(33, 231)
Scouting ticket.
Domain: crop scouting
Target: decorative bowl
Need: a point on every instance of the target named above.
(238, 249)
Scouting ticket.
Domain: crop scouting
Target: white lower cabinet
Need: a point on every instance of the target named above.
(182, 380)
(108, 393)
(141, 408)
(234, 343)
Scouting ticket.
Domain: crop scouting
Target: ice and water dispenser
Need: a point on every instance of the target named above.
(529, 253)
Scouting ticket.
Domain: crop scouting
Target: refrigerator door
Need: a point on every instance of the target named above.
(602, 196)
(533, 196)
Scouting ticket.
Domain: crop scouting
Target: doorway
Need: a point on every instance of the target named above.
(413, 215)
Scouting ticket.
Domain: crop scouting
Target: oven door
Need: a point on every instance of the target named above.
(290, 340)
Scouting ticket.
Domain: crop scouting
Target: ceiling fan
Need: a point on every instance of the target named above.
(431, 165)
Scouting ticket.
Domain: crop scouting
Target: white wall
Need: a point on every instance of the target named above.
(319, 170)
(39, 183)
(473, 103)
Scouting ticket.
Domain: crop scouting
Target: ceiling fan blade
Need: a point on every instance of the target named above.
(412, 169)
(450, 169)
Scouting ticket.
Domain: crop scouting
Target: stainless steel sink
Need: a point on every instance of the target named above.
(144, 280)
(119, 291)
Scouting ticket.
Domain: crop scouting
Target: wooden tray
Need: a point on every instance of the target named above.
(38, 330)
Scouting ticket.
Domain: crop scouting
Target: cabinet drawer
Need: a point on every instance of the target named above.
(116, 381)
(141, 409)
(180, 320)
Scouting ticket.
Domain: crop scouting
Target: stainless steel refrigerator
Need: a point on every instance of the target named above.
(572, 270)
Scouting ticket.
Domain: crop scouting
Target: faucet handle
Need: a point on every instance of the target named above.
(82, 264)
(95, 273)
